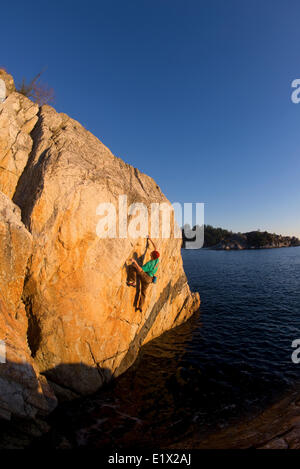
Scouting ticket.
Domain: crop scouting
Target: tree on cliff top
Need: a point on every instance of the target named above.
(39, 93)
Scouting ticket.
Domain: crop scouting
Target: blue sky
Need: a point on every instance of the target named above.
(197, 94)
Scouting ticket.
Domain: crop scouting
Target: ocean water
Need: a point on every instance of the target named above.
(229, 362)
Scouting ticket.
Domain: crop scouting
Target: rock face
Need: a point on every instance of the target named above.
(68, 320)
(24, 392)
(83, 326)
(8, 80)
(18, 116)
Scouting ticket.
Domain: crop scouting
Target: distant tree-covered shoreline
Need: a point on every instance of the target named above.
(219, 238)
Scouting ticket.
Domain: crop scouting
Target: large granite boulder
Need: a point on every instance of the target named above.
(84, 326)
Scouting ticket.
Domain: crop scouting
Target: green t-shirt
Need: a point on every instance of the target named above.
(151, 267)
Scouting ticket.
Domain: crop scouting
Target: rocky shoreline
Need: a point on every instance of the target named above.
(277, 427)
(234, 246)
(256, 240)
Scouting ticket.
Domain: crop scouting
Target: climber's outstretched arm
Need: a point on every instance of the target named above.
(152, 243)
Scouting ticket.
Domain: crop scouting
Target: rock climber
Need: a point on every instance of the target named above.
(146, 274)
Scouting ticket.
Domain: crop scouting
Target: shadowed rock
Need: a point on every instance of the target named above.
(23, 391)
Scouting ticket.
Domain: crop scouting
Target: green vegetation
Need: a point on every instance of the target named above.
(213, 236)
(259, 239)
